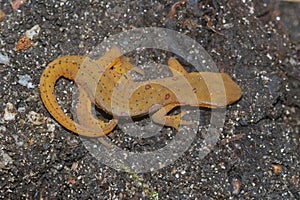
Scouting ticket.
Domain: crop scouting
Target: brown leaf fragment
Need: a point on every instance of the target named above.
(23, 43)
(17, 3)
(173, 8)
(71, 179)
(276, 168)
(2, 15)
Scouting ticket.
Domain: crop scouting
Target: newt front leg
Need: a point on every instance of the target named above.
(174, 121)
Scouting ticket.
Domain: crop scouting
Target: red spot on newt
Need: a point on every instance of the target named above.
(147, 87)
(167, 96)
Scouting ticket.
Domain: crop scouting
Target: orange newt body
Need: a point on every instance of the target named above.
(105, 83)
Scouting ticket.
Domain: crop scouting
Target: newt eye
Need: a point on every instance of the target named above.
(194, 90)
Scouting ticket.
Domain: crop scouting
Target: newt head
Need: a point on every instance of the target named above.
(232, 90)
(213, 89)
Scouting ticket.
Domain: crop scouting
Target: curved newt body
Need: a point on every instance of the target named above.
(106, 83)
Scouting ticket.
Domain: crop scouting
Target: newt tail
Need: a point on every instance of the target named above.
(68, 67)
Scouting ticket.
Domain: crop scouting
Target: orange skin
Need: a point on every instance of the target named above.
(105, 83)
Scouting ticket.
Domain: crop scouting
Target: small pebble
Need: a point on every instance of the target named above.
(4, 59)
(20, 143)
(36, 118)
(51, 127)
(5, 159)
(21, 109)
(74, 166)
(236, 185)
(8, 114)
(25, 80)
(295, 181)
(33, 32)
(2, 129)
(243, 122)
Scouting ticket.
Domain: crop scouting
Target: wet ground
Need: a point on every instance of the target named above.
(258, 152)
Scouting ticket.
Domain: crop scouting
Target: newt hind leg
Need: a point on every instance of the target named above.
(114, 60)
(176, 68)
(174, 121)
(86, 118)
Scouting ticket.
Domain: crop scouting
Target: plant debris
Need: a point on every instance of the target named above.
(23, 43)
(16, 4)
(2, 15)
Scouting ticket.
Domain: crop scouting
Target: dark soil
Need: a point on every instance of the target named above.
(256, 43)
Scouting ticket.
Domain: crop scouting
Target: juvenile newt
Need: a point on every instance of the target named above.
(106, 83)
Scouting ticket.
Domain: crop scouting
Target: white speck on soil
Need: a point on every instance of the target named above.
(4, 59)
(25, 80)
(8, 114)
(5, 159)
